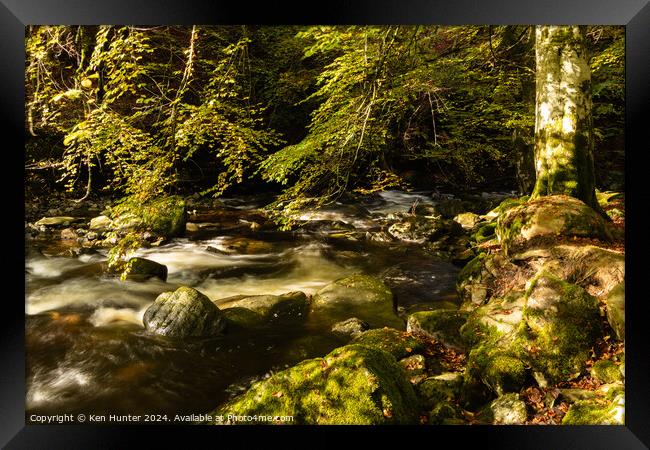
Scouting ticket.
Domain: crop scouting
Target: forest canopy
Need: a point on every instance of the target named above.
(311, 113)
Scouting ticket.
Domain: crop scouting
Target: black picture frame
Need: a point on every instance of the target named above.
(634, 14)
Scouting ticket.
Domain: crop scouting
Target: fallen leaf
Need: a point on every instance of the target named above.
(277, 394)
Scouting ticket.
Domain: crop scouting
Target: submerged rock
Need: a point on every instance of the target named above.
(183, 313)
(242, 318)
(362, 296)
(291, 304)
(549, 216)
(351, 385)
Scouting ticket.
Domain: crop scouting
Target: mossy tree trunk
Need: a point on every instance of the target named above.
(564, 161)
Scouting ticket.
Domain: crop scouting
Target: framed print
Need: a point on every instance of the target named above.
(415, 214)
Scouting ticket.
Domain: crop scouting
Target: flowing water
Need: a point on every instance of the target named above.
(87, 350)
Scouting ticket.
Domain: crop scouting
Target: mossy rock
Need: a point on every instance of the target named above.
(361, 296)
(271, 307)
(616, 310)
(562, 323)
(467, 220)
(185, 312)
(597, 412)
(248, 246)
(484, 232)
(443, 388)
(60, 221)
(350, 327)
(140, 269)
(418, 229)
(606, 371)
(504, 206)
(476, 280)
(442, 325)
(587, 265)
(397, 343)
(242, 318)
(354, 384)
(165, 216)
(446, 414)
(500, 370)
(507, 409)
(499, 318)
(549, 216)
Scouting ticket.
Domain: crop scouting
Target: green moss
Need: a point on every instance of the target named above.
(445, 414)
(443, 325)
(397, 343)
(606, 371)
(562, 322)
(596, 412)
(165, 216)
(484, 232)
(354, 384)
(501, 370)
(440, 389)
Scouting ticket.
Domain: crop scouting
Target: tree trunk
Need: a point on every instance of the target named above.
(564, 161)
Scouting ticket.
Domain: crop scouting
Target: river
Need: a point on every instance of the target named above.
(87, 350)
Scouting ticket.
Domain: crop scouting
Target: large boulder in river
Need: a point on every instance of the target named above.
(354, 384)
(139, 269)
(549, 217)
(362, 296)
(289, 305)
(183, 313)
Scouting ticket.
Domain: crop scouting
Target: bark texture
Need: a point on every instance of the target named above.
(564, 161)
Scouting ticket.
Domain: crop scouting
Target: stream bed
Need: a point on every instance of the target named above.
(87, 350)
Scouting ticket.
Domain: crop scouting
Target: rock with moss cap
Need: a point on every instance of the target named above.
(166, 216)
(548, 216)
(550, 328)
(606, 371)
(607, 408)
(397, 343)
(442, 325)
(140, 269)
(361, 296)
(184, 313)
(354, 384)
(476, 280)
